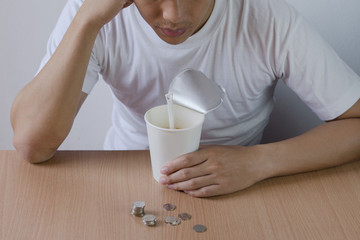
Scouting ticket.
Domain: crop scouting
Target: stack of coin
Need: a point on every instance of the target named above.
(149, 220)
(138, 209)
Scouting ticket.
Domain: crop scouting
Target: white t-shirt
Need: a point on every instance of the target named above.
(245, 46)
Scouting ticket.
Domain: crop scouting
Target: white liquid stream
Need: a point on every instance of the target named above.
(169, 100)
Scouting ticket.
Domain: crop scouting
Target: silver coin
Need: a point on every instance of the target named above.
(199, 228)
(149, 220)
(138, 208)
(169, 207)
(138, 214)
(184, 216)
(176, 222)
(170, 219)
(138, 204)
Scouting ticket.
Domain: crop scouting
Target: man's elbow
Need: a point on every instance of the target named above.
(30, 152)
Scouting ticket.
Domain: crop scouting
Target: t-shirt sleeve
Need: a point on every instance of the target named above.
(66, 17)
(313, 70)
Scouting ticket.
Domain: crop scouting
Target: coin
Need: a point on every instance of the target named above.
(176, 222)
(169, 207)
(138, 208)
(138, 204)
(149, 220)
(184, 216)
(199, 228)
(172, 220)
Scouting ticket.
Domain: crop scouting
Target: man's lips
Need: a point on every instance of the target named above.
(173, 32)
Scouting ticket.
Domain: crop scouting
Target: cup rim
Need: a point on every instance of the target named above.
(174, 130)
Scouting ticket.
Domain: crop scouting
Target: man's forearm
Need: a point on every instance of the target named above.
(43, 112)
(328, 145)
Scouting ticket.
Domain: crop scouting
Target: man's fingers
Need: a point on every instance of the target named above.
(192, 183)
(185, 174)
(184, 161)
(208, 191)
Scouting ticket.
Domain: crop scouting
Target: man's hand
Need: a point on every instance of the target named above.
(219, 170)
(101, 12)
(213, 170)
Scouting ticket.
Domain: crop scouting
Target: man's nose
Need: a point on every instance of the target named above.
(173, 10)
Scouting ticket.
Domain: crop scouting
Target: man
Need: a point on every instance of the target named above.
(244, 45)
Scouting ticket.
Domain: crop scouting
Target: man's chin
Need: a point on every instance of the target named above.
(173, 41)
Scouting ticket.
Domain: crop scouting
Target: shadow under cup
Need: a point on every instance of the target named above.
(166, 144)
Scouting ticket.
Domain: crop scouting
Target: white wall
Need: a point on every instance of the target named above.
(338, 22)
(26, 25)
(32, 21)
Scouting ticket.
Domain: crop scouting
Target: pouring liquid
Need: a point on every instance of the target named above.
(169, 100)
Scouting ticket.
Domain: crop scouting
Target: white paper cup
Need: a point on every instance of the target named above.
(166, 144)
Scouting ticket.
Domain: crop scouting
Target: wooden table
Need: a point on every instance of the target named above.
(88, 195)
